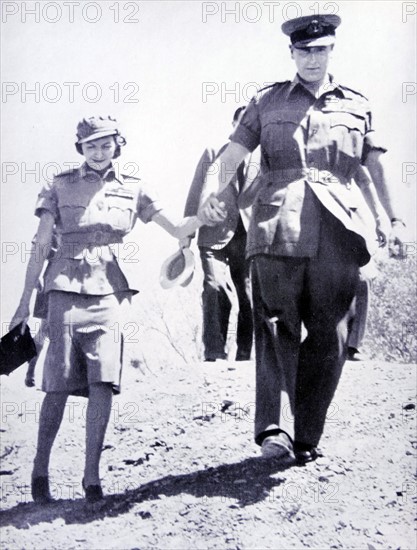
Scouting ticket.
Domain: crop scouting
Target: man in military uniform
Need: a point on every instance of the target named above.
(222, 248)
(306, 237)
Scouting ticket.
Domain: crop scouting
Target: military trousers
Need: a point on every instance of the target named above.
(217, 298)
(359, 314)
(296, 379)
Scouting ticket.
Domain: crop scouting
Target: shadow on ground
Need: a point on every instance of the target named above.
(246, 482)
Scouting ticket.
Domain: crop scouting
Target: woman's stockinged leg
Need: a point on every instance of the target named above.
(98, 413)
(52, 412)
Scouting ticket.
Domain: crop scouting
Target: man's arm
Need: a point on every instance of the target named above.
(375, 162)
(193, 198)
(366, 185)
(222, 170)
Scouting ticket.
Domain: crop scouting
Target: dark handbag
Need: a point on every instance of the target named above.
(16, 349)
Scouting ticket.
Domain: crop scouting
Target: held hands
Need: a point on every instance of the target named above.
(212, 211)
(185, 242)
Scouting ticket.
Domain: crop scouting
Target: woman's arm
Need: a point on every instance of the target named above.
(39, 252)
(179, 230)
(188, 226)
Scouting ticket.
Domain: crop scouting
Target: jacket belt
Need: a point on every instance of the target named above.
(287, 175)
(87, 244)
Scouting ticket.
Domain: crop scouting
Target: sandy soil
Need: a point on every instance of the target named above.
(180, 468)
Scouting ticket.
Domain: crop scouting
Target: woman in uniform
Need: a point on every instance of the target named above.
(92, 208)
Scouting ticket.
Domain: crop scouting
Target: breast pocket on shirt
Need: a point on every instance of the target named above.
(348, 130)
(121, 210)
(279, 138)
(74, 214)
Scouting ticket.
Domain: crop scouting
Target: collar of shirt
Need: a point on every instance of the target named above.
(328, 86)
(111, 174)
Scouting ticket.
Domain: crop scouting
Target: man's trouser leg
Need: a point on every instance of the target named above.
(216, 299)
(318, 292)
(359, 312)
(239, 271)
(277, 285)
(330, 285)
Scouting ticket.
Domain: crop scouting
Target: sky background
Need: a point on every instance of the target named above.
(173, 73)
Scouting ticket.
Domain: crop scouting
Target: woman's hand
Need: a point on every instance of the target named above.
(22, 315)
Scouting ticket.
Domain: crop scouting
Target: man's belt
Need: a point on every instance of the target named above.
(314, 175)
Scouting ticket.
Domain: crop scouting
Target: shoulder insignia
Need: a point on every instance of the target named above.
(271, 87)
(128, 178)
(274, 85)
(70, 172)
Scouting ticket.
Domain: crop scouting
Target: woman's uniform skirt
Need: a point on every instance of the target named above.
(86, 341)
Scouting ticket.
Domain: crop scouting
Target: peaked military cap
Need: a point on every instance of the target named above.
(95, 127)
(312, 30)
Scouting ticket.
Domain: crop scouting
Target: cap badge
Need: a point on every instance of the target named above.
(314, 28)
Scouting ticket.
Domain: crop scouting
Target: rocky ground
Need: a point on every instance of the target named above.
(181, 471)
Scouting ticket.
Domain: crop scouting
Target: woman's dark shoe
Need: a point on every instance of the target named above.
(40, 490)
(93, 493)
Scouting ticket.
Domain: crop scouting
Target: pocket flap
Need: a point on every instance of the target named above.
(349, 120)
(271, 196)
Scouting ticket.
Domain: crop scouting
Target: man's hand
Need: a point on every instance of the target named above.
(212, 211)
(396, 240)
(381, 232)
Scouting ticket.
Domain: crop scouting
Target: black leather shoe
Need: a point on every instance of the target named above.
(93, 493)
(40, 490)
(242, 356)
(305, 453)
(354, 354)
(211, 357)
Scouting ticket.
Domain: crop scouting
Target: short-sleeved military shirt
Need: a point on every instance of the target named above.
(301, 136)
(92, 214)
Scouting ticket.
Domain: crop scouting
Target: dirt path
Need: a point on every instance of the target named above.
(179, 473)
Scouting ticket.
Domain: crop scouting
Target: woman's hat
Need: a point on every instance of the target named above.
(178, 269)
(15, 349)
(97, 127)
